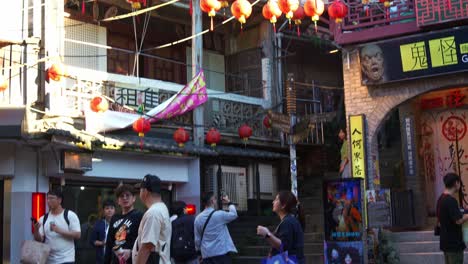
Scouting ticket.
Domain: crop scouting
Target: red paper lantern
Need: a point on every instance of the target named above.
(241, 9)
(142, 126)
(337, 10)
(3, 83)
(314, 9)
(99, 104)
(245, 132)
(136, 4)
(213, 137)
(181, 136)
(55, 72)
(210, 7)
(288, 7)
(267, 122)
(298, 15)
(271, 11)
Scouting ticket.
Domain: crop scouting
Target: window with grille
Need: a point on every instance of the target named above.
(83, 55)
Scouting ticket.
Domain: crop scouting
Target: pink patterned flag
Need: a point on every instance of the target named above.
(190, 97)
(187, 99)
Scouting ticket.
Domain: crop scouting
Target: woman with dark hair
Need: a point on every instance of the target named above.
(344, 165)
(289, 235)
(351, 255)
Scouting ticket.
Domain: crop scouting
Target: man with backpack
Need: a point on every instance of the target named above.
(183, 238)
(58, 228)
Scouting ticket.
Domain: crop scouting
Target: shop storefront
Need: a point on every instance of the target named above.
(418, 83)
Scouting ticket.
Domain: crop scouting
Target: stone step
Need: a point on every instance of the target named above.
(426, 258)
(418, 247)
(414, 236)
(263, 250)
(310, 259)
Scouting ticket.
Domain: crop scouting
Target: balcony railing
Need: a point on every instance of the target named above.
(373, 21)
(12, 70)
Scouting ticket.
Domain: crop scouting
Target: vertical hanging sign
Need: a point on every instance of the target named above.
(408, 139)
(358, 146)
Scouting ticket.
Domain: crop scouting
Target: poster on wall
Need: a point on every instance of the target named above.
(343, 210)
(379, 208)
(343, 252)
(444, 149)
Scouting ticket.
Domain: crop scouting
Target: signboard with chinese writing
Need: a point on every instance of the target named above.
(343, 210)
(409, 146)
(379, 208)
(415, 57)
(358, 146)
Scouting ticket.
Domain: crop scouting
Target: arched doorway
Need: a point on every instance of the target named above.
(419, 142)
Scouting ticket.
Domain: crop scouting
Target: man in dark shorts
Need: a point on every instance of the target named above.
(451, 221)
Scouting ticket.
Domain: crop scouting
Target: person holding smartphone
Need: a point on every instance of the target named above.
(212, 236)
(58, 228)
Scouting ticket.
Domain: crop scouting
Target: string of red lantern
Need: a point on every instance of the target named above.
(181, 136)
(141, 126)
(288, 7)
(213, 137)
(210, 7)
(337, 10)
(298, 15)
(272, 12)
(3, 83)
(314, 9)
(55, 72)
(241, 10)
(99, 104)
(245, 132)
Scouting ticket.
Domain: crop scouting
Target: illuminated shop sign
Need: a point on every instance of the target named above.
(415, 57)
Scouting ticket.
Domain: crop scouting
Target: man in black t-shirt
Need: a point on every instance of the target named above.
(451, 220)
(123, 229)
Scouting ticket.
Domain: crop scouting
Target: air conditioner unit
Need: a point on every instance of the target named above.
(233, 184)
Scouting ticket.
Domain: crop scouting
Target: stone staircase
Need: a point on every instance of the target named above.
(252, 249)
(419, 247)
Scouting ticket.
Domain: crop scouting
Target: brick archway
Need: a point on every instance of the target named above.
(377, 102)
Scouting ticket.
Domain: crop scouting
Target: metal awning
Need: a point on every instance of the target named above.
(158, 145)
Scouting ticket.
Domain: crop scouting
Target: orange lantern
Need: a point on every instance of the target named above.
(141, 126)
(213, 137)
(271, 11)
(314, 9)
(181, 136)
(3, 83)
(136, 4)
(337, 10)
(55, 72)
(210, 7)
(245, 132)
(241, 9)
(288, 7)
(298, 15)
(99, 104)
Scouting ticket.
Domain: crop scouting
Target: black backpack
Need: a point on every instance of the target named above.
(182, 239)
(65, 215)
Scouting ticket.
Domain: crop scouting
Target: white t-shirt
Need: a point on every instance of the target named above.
(155, 228)
(61, 249)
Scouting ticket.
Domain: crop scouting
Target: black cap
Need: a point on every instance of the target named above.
(150, 182)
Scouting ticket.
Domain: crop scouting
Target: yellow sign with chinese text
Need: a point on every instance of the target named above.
(358, 146)
(443, 51)
(413, 56)
(464, 48)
